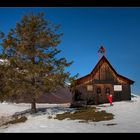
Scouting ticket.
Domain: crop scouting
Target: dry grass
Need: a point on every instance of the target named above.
(86, 114)
(16, 120)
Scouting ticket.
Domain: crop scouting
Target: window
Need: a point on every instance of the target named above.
(98, 90)
(89, 87)
(117, 87)
(107, 90)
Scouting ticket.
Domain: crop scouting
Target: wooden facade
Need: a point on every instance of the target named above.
(103, 79)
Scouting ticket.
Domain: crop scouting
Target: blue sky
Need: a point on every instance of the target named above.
(85, 30)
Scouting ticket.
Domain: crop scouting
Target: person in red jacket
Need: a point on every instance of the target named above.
(109, 97)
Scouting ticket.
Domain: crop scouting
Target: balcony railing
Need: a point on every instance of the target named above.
(103, 81)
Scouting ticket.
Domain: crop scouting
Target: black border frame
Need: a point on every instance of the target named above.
(69, 3)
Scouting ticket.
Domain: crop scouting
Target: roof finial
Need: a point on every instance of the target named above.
(101, 52)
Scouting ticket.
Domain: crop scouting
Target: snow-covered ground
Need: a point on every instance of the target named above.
(126, 119)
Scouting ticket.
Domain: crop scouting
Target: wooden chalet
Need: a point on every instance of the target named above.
(103, 79)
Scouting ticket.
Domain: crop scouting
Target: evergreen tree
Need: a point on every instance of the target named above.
(31, 49)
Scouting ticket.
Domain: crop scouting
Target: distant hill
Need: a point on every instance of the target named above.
(62, 95)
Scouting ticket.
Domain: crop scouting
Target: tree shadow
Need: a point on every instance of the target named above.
(44, 111)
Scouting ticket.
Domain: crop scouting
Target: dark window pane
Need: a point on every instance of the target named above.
(108, 90)
(98, 90)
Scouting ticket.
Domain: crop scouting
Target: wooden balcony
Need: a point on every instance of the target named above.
(103, 82)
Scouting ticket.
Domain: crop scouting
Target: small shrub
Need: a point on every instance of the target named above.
(49, 117)
(110, 124)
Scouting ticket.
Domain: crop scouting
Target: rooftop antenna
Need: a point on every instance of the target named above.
(101, 52)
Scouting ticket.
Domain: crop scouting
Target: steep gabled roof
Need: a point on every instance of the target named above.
(101, 61)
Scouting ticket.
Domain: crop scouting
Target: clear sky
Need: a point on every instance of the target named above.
(85, 30)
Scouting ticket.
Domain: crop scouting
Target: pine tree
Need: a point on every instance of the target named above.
(33, 68)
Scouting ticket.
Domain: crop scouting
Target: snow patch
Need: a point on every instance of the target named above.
(126, 119)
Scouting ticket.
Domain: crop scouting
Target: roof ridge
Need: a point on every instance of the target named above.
(104, 58)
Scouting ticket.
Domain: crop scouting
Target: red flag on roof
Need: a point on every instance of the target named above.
(101, 50)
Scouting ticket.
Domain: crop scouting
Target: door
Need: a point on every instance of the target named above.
(100, 94)
(108, 89)
(97, 94)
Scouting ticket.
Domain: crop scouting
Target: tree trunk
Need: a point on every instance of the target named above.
(33, 106)
(73, 96)
(96, 99)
